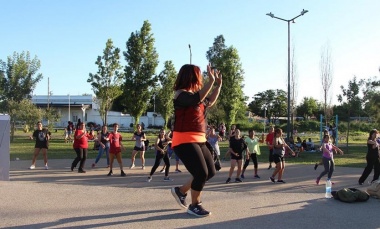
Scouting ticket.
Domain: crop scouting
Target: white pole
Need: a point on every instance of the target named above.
(69, 108)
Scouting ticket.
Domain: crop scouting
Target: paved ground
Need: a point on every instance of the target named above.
(59, 198)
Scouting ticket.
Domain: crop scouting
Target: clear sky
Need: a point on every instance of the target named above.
(67, 36)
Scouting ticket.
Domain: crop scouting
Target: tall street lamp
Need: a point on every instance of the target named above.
(190, 52)
(288, 21)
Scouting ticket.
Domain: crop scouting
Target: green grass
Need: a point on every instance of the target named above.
(22, 147)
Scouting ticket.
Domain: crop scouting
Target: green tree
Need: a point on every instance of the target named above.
(164, 96)
(309, 107)
(106, 83)
(227, 60)
(24, 112)
(140, 78)
(274, 101)
(19, 78)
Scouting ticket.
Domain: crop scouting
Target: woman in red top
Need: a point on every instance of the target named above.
(81, 147)
(189, 134)
(115, 149)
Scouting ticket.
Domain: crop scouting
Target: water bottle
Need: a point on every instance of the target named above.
(328, 189)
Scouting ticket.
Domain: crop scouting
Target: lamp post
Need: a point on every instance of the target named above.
(84, 107)
(265, 117)
(288, 21)
(190, 52)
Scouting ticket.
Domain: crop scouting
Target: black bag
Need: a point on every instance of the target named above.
(350, 195)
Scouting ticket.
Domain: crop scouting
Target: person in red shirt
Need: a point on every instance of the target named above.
(81, 147)
(269, 141)
(115, 149)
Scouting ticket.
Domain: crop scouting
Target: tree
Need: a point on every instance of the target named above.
(308, 107)
(25, 112)
(326, 69)
(164, 95)
(139, 74)
(106, 83)
(350, 99)
(226, 59)
(275, 101)
(19, 78)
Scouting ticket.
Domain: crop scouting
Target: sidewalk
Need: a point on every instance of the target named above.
(59, 198)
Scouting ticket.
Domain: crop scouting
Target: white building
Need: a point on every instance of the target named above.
(74, 107)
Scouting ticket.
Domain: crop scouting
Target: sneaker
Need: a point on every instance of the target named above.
(110, 173)
(179, 197)
(46, 167)
(237, 180)
(149, 179)
(317, 180)
(178, 171)
(132, 166)
(281, 181)
(168, 179)
(162, 170)
(315, 166)
(143, 167)
(198, 211)
(93, 165)
(81, 171)
(270, 166)
(257, 176)
(228, 180)
(360, 183)
(122, 173)
(272, 179)
(72, 168)
(32, 167)
(242, 176)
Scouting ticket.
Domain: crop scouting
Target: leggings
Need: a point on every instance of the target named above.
(159, 157)
(198, 161)
(254, 160)
(270, 156)
(329, 165)
(81, 156)
(372, 163)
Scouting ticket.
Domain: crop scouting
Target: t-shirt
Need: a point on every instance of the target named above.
(138, 137)
(41, 137)
(81, 142)
(327, 153)
(253, 145)
(115, 140)
(238, 145)
(269, 139)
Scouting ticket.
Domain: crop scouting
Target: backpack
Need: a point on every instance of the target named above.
(374, 189)
(350, 195)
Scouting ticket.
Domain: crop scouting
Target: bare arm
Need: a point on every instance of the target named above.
(207, 87)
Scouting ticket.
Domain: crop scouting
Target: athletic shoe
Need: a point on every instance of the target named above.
(257, 176)
(149, 179)
(132, 166)
(46, 167)
(168, 179)
(272, 179)
(281, 181)
(178, 171)
(228, 180)
(122, 173)
(72, 168)
(93, 165)
(270, 166)
(360, 183)
(162, 170)
(315, 166)
(198, 211)
(242, 176)
(81, 171)
(317, 180)
(143, 167)
(237, 180)
(32, 167)
(110, 173)
(179, 197)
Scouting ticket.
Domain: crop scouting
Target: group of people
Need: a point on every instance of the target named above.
(192, 98)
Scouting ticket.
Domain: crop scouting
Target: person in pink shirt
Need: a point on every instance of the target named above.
(81, 147)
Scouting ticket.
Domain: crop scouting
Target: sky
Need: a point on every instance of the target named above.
(68, 36)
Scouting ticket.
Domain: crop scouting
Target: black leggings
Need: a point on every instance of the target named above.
(253, 156)
(198, 161)
(329, 165)
(81, 156)
(270, 155)
(159, 157)
(372, 163)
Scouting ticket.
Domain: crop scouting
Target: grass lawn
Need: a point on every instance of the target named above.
(22, 147)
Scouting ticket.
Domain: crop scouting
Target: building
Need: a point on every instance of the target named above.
(84, 107)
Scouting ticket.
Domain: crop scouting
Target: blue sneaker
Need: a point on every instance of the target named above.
(198, 211)
(179, 197)
(242, 176)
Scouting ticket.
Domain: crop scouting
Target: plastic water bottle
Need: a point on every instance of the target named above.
(328, 189)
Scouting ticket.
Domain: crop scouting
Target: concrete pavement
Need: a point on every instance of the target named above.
(59, 198)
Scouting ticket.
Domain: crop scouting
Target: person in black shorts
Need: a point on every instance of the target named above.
(237, 147)
(42, 136)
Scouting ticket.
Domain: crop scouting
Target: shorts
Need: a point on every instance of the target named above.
(233, 157)
(278, 158)
(139, 148)
(115, 150)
